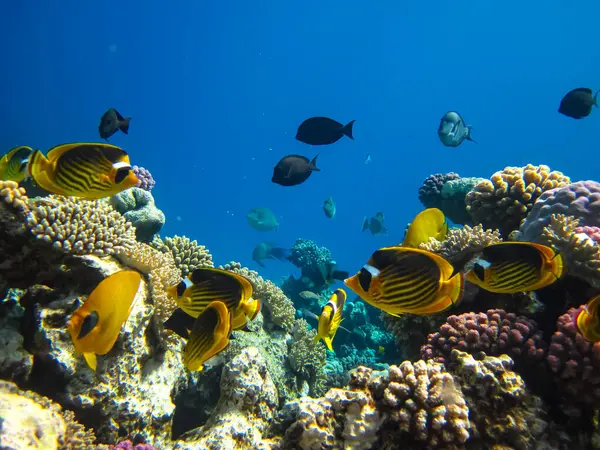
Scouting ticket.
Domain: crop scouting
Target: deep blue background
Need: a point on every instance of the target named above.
(217, 90)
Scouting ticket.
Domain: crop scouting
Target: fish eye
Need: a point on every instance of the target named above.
(181, 287)
(121, 174)
(364, 279)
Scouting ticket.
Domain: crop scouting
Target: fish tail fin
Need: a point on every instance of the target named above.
(39, 161)
(347, 130)
(313, 164)
(124, 126)
(251, 308)
(365, 224)
(469, 130)
(280, 253)
(328, 343)
(592, 306)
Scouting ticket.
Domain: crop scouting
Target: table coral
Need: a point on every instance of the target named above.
(80, 227)
(277, 308)
(145, 179)
(430, 192)
(493, 332)
(188, 254)
(580, 200)
(575, 361)
(137, 205)
(508, 197)
(31, 421)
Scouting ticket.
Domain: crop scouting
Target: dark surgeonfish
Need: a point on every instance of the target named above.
(87, 170)
(512, 267)
(293, 170)
(375, 224)
(404, 280)
(453, 131)
(111, 121)
(323, 131)
(578, 103)
(329, 207)
(267, 250)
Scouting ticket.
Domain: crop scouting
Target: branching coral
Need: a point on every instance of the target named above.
(280, 310)
(80, 227)
(506, 199)
(581, 253)
(188, 254)
(307, 357)
(32, 421)
(463, 241)
(494, 332)
(13, 195)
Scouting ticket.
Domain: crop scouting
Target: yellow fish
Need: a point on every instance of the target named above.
(95, 326)
(588, 322)
(331, 318)
(206, 285)
(401, 280)
(209, 335)
(430, 223)
(13, 165)
(85, 170)
(511, 267)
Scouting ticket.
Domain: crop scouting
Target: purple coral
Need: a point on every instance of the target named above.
(430, 192)
(146, 180)
(128, 445)
(494, 332)
(581, 200)
(575, 361)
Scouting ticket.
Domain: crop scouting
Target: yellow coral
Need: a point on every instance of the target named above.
(188, 254)
(80, 227)
(13, 195)
(506, 199)
(280, 308)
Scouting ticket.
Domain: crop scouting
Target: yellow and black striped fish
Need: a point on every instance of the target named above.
(13, 165)
(331, 318)
(209, 335)
(401, 280)
(588, 320)
(86, 170)
(511, 267)
(206, 285)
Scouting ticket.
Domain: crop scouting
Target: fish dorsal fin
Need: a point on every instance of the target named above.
(525, 252)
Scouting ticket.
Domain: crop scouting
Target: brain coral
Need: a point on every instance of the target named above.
(506, 199)
(580, 200)
(81, 227)
(430, 192)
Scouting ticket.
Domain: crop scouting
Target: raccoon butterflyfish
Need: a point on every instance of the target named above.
(588, 322)
(511, 267)
(209, 335)
(206, 285)
(13, 165)
(430, 223)
(86, 170)
(401, 280)
(95, 326)
(331, 318)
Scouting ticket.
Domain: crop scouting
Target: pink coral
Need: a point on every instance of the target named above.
(575, 361)
(146, 180)
(592, 232)
(494, 332)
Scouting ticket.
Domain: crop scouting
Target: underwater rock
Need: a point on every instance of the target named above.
(137, 205)
(30, 421)
(131, 394)
(246, 407)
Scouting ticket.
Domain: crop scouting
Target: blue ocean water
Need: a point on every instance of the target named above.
(217, 90)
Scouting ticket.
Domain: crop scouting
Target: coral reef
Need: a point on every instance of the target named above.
(79, 227)
(592, 232)
(315, 264)
(580, 200)
(494, 332)
(31, 421)
(188, 254)
(307, 358)
(137, 205)
(145, 178)
(508, 197)
(454, 193)
(430, 192)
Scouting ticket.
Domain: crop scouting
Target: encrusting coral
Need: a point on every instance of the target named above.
(31, 421)
(188, 254)
(506, 199)
(80, 227)
(137, 205)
